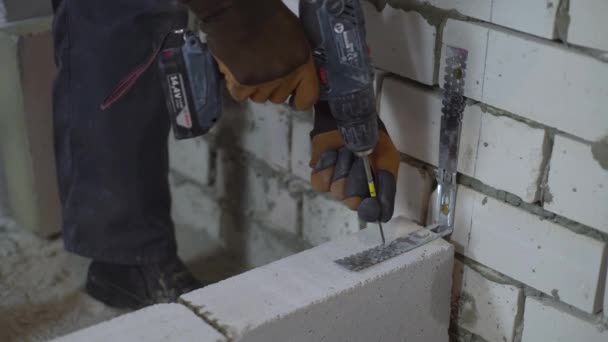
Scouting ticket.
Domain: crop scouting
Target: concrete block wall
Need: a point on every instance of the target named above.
(237, 183)
(308, 297)
(254, 167)
(531, 207)
(531, 228)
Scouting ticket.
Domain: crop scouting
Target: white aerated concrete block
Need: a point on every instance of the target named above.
(547, 83)
(510, 156)
(300, 148)
(192, 206)
(324, 219)
(412, 116)
(588, 25)
(308, 297)
(486, 308)
(190, 158)
(256, 190)
(264, 246)
(578, 184)
(414, 186)
(536, 252)
(26, 127)
(544, 321)
(534, 78)
(252, 243)
(401, 42)
(261, 129)
(158, 323)
(536, 17)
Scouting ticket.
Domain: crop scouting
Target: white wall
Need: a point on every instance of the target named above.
(26, 133)
(532, 219)
(531, 227)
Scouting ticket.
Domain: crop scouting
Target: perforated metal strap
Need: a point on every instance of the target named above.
(449, 141)
(451, 122)
(373, 256)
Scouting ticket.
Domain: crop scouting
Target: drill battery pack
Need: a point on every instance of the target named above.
(191, 83)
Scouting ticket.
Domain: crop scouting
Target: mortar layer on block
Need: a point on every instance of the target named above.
(307, 297)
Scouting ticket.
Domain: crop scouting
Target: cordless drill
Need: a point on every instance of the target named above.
(337, 35)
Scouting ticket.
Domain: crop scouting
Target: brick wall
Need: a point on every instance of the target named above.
(244, 184)
(531, 226)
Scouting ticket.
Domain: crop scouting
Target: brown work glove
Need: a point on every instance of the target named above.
(261, 49)
(339, 171)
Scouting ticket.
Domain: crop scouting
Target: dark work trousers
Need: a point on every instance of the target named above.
(112, 165)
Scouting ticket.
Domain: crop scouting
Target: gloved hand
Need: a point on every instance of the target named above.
(339, 171)
(261, 49)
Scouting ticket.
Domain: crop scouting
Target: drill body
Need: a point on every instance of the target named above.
(336, 32)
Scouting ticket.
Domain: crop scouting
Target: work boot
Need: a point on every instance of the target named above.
(136, 286)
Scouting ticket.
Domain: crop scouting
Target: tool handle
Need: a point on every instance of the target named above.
(205, 79)
(336, 32)
(370, 178)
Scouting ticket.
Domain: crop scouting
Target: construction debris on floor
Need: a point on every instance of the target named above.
(41, 286)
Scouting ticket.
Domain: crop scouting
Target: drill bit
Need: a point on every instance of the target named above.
(372, 190)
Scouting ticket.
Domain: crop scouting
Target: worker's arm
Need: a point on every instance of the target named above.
(261, 50)
(335, 169)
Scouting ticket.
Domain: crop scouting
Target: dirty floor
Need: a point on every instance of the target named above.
(41, 293)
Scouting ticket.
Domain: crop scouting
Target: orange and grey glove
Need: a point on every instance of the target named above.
(261, 49)
(338, 171)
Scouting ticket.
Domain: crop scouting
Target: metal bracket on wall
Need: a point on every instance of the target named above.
(442, 204)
